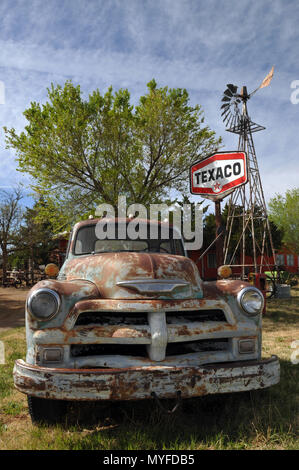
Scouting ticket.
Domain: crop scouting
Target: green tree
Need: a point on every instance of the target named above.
(84, 152)
(284, 212)
(33, 241)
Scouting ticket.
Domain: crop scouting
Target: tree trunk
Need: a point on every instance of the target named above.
(32, 264)
(4, 265)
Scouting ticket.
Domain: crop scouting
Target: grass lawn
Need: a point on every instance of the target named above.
(266, 419)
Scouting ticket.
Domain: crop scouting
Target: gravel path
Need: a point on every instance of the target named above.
(12, 307)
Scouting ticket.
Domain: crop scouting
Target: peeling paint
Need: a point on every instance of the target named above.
(133, 323)
(139, 383)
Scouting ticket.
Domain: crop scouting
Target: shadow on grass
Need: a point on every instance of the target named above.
(219, 421)
(286, 312)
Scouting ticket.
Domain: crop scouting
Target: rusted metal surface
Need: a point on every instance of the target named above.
(70, 293)
(85, 288)
(108, 270)
(142, 334)
(146, 305)
(115, 337)
(139, 383)
(223, 287)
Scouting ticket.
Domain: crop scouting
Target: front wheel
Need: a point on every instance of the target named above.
(44, 410)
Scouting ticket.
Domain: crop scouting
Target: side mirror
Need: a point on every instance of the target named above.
(51, 270)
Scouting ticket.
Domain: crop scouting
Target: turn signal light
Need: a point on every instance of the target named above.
(224, 271)
(51, 270)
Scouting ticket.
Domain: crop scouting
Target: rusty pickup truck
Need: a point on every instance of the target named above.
(132, 319)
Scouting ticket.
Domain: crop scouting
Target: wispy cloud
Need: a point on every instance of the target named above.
(194, 44)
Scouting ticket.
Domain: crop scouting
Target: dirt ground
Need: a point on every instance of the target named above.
(12, 307)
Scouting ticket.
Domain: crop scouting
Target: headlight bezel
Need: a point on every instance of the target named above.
(240, 300)
(40, 291)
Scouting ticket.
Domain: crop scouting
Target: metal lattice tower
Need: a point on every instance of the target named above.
(247, 207)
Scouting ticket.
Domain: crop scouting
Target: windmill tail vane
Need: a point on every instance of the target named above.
(265, 82)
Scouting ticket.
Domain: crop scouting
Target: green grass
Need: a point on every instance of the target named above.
(266, 419)
(15, 348)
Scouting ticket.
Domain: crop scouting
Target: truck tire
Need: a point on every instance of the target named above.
(44, 410)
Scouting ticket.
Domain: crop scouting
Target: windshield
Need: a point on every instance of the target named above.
(87, 242)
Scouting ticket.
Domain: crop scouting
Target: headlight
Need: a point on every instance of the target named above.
(43, 304)
(251, 300)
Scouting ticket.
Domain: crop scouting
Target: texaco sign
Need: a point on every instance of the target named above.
(218, 175)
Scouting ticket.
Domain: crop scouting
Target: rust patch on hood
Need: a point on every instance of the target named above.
(216, 289)
(105, 270)
(89, 290)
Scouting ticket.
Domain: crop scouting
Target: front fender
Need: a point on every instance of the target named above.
(70, 292)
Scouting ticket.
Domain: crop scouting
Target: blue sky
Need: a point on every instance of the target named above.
(194, 44)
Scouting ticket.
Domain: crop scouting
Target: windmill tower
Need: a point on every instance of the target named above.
(247, 212)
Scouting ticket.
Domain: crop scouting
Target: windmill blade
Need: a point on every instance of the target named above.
(235, 120)
(232, 88)
(227, 92)
(226, 118)
(225, 110)
(225, 114)
(229, 106)
(230, 120)
(265, 82)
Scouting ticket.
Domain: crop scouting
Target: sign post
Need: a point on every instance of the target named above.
(219, 229)
(215, 177)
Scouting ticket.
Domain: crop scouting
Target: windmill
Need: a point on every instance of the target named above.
(247, 207)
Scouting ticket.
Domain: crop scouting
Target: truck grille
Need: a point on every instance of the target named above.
(173, 349)
(204, 345)
(132, 318)
(124, 339)
(195, 316)
(83, 350)
(111, 318)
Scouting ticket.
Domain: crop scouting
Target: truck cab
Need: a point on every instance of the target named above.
(131, 319)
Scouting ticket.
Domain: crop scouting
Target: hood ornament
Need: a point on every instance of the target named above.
(153, 286)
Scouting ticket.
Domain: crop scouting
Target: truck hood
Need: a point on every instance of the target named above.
(128, 275)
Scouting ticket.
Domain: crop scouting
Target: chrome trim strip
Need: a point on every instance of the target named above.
(155, 286)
